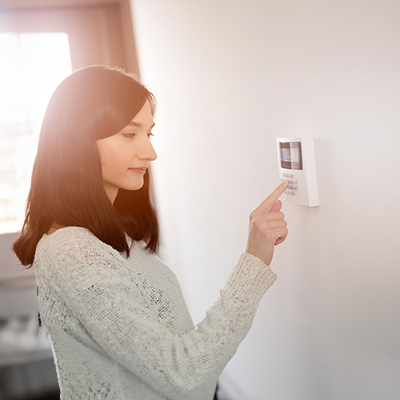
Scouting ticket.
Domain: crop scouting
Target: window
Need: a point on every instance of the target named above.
(31, 67)
(41, 42)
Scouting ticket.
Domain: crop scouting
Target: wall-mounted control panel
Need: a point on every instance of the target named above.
(296, 160)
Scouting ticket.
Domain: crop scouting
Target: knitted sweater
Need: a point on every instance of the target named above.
(120, 329)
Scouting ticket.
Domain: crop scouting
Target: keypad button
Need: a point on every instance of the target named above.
(287, 175)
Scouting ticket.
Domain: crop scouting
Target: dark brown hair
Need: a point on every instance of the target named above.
(66, 186)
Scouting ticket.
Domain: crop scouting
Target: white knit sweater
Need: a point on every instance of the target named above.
(120, 328)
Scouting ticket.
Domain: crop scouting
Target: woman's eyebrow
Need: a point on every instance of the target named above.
(138, 124)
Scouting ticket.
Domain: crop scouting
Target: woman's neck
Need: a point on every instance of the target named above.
(54, 226)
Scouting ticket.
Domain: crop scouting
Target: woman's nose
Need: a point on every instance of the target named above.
(148, 151)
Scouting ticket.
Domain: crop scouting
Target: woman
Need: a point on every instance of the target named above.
(115, 314)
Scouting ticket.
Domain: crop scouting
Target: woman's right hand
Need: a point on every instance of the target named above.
(267, 226)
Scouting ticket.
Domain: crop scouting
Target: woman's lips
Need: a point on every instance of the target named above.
(138, 170)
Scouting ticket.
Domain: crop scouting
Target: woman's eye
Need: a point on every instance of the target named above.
(129, 135)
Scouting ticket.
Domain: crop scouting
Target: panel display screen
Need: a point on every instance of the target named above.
(291, 157)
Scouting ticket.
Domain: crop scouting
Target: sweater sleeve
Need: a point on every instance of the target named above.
(93, 280)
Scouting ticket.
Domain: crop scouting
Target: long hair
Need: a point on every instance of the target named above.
(66, 187)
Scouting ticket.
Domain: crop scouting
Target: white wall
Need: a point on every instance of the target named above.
(230, 76)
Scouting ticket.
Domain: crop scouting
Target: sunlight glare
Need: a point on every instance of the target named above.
(31, 67)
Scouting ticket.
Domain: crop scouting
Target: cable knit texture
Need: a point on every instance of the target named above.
(120, 329)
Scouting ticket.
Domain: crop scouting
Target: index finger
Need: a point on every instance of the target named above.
(270, 200)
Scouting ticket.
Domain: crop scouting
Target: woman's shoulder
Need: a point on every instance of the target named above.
(69, 234)
(73, 243)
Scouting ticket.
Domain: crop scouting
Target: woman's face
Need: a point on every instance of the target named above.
(125, 156)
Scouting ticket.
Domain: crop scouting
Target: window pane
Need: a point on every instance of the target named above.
(31, 67)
